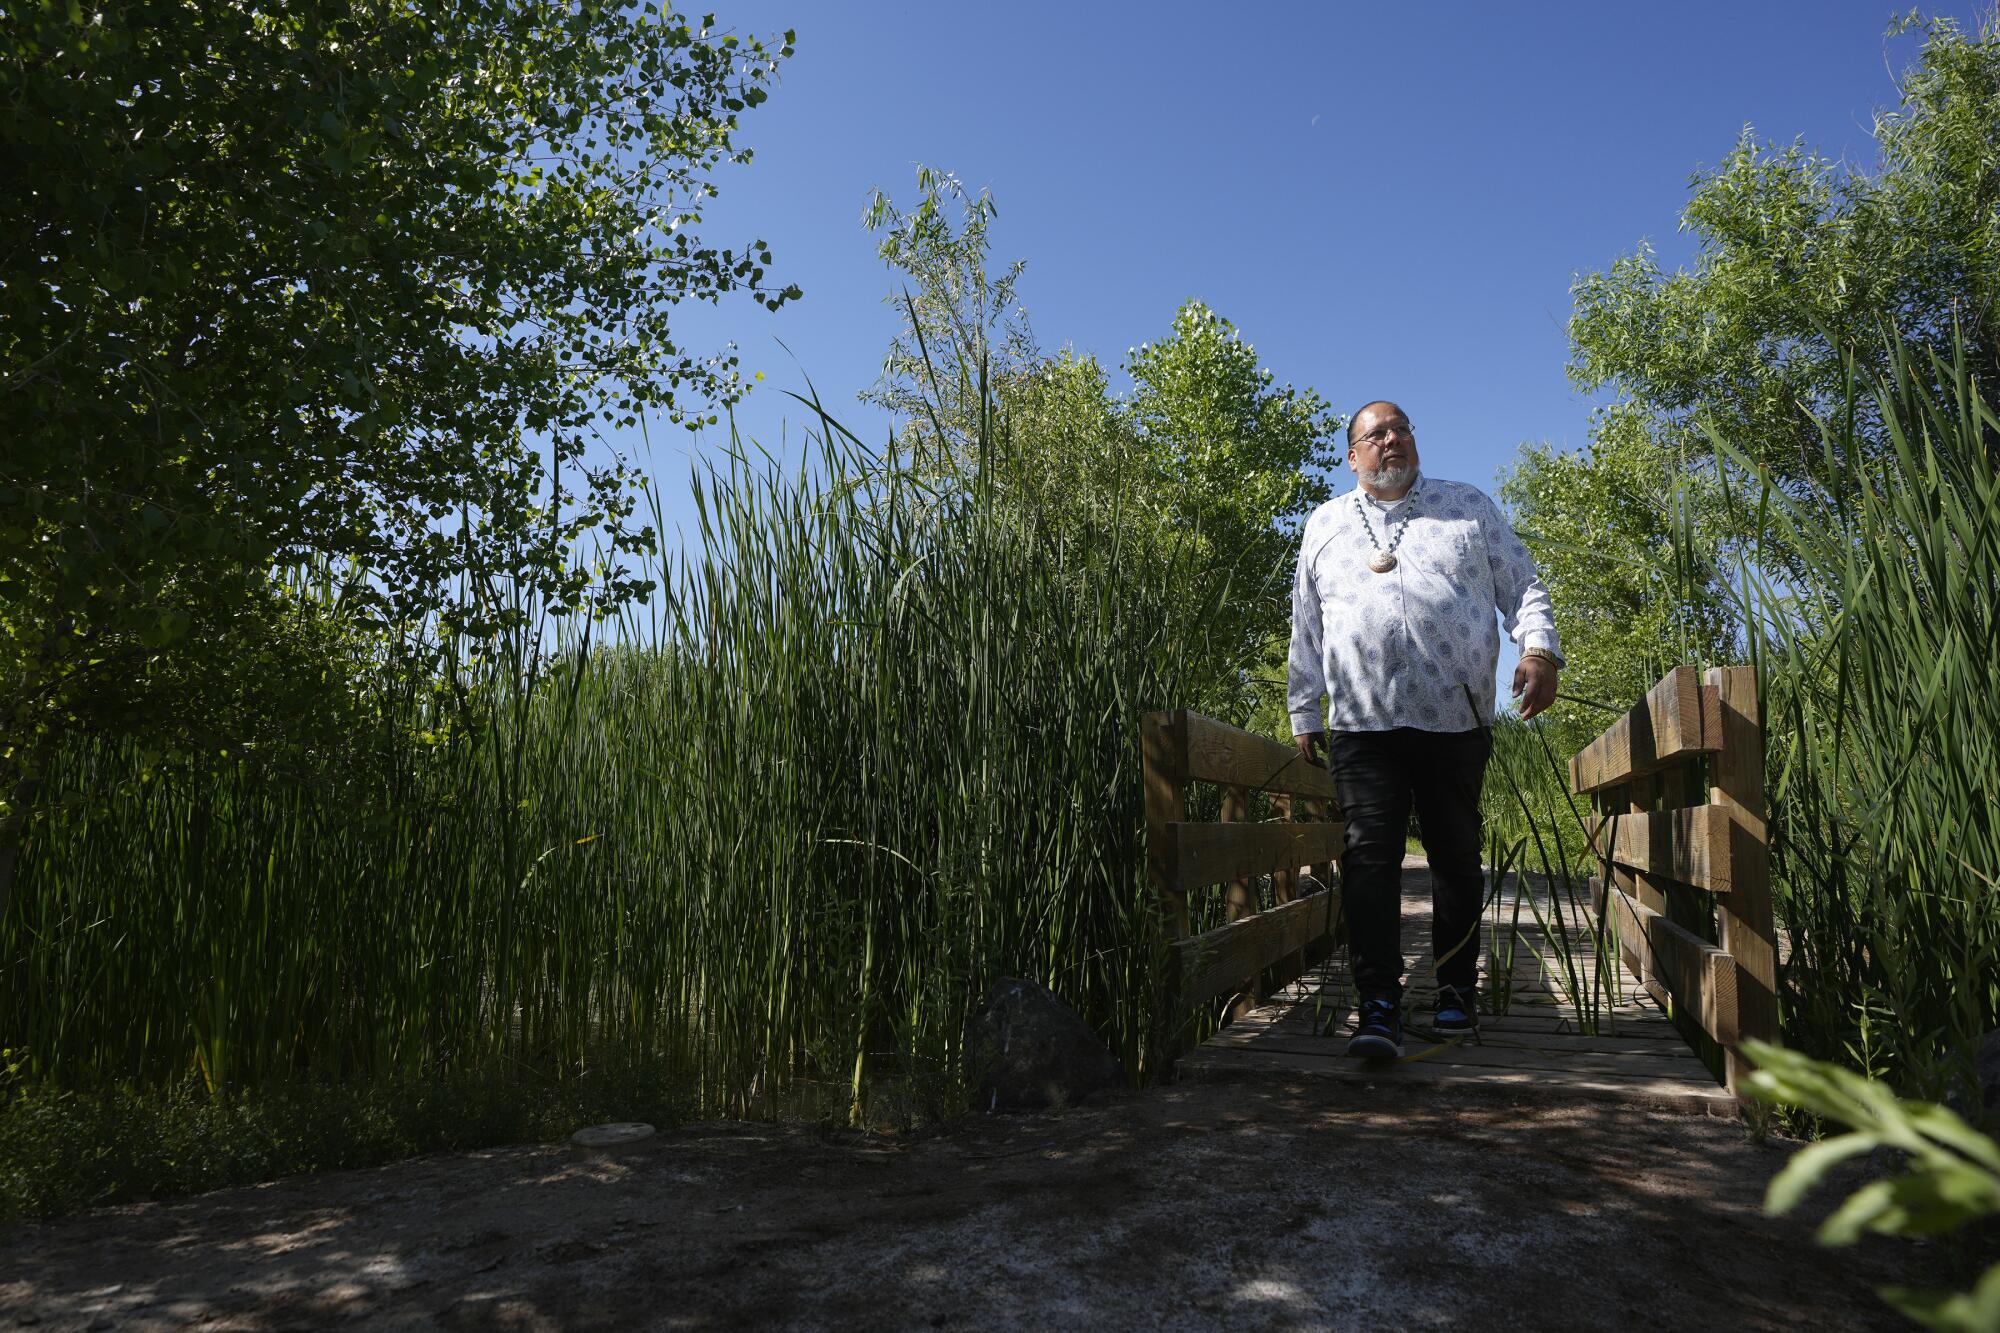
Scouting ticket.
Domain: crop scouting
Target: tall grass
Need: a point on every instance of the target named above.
(1871, 601)
(1874, 621)
(874, 744)
(1535, 832)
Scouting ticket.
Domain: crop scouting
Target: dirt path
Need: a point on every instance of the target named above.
(1211, 1206)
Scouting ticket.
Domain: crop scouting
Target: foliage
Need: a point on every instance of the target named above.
(1242, 462)
(1881, 697)
(1800, 259)
(1080, 470)
(1535, 827)
(1609, 531)
(965, 334)
(63, 1150)
(1206, 452)
(1780, 480)
(1881, 706)
(326, 284)
(1952, 1175)
(879, 748)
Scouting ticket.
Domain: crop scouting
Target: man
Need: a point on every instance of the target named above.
(1392, 620)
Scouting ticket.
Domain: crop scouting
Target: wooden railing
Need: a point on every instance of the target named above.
(1254, 952)
(1678, 787)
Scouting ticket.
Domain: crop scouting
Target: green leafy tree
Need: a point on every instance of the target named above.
(1243, 461)
(1073, 458)
(347, 282)
(1207, 462)
(1801, 262)
(1610, 529)
(965, 337)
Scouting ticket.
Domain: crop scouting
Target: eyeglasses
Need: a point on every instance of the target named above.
(1381, 435)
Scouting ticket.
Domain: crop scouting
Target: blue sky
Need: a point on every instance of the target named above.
(1388, 200)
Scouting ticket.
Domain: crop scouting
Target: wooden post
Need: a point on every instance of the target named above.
(1610, 802)
(1242, 894)
(1640, 797)
(1240, 901)
(1689, 908)
(1163, 740)
(1319, 811)
(1284, 889)
(1736, 777)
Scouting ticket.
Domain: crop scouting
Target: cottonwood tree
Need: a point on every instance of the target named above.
(350, 283)
(1208, 462)
(1802, 263)
(1243, 460)
(965, 336)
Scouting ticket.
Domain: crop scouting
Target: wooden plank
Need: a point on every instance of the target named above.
(1663, 1062)
(1691, 909)
(1199, 854)
(1634, 1020)
(1163, 749)
(1216, 961)
(1241, 902)
(1218, 752)
(1490, 1037)
(1643, 794)
(1651, 1026)
(1300, 1024)
(1686, 1096)
(1322, 811)
(1748, 933)
(1284, 889)
(1697, 846)
(1626, 945)
(1672, 722)
(1696, 977)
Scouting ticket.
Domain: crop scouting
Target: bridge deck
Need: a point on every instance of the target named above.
(1536, 1049)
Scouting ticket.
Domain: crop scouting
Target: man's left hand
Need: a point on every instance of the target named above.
(1534, 685)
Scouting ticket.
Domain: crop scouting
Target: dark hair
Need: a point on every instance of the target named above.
(1373, 402)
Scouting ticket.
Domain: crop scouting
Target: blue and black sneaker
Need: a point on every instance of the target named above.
(1378, 1030)
(1457, 1012)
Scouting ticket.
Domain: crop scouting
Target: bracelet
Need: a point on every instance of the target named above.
(1544, 654)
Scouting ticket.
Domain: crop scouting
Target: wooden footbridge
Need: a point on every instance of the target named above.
(1634, 986)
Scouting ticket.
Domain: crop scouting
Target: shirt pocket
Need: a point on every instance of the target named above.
(1455, 551)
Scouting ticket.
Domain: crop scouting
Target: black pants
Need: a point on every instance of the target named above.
(1380, 775)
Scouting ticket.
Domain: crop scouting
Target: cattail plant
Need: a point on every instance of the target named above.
(873, 744)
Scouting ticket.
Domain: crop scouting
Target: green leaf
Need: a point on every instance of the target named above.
(1975, 1311)
(1808, 1166)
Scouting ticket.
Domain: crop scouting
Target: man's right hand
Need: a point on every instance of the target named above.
(1311, 745)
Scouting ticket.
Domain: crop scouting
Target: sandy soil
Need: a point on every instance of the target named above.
(1208, 1206)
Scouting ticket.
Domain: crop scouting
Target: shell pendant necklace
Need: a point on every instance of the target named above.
(1383, 560)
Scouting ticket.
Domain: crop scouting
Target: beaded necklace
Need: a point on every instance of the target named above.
(1383, 560)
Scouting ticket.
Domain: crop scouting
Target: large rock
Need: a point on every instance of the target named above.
(1027, 1050)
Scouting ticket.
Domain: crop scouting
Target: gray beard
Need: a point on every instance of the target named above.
(1388, 478)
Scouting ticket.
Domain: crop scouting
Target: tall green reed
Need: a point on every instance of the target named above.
(1535, 830)
(1872, 597)
(874, 743)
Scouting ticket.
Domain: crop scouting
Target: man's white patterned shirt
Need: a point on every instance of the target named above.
(1401, 649)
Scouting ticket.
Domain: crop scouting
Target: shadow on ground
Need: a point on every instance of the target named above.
(1206, 1206)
